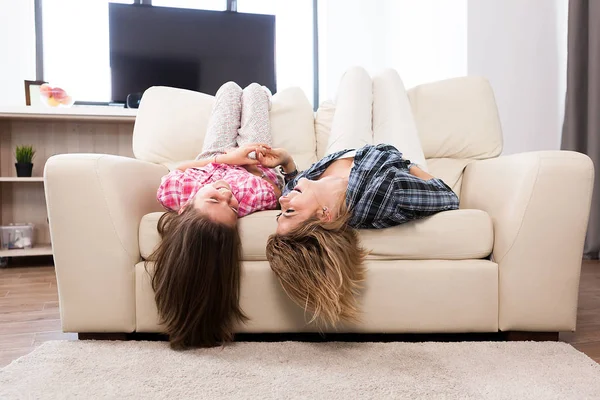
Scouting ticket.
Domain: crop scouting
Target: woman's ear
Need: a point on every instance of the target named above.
(324, 214)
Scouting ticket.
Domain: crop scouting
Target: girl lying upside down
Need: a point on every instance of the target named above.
(196, 276)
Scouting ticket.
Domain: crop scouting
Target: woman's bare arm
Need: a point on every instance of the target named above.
(419, 173)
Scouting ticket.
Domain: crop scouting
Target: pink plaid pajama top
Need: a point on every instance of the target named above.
(252, 192)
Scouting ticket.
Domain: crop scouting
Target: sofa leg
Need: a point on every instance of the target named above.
(103, 336)
(511, 336)
(515, 336)
(122, 336)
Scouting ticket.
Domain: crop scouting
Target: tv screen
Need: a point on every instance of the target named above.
(189, 49)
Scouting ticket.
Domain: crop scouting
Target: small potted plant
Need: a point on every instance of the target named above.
(24, 156)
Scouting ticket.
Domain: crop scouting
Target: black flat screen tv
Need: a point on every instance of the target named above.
(189, 49)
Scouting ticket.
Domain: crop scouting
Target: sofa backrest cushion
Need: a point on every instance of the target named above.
(171, 124)
(323, 121)
(457, 118)
(292, 125)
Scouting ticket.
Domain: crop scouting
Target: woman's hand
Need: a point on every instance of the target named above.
(239, 156)
(272, 158)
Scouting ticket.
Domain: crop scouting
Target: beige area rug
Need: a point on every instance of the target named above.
(293, 370)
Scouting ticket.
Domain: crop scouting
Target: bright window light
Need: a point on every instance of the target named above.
(76, 54)
(294, 40)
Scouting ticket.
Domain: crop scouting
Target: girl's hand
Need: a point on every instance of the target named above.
(254, 170)
(239, 156)
(272, 158)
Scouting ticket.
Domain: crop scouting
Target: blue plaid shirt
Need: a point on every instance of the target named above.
(381, 192)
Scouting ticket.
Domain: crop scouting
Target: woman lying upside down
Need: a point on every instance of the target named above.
(315, 252)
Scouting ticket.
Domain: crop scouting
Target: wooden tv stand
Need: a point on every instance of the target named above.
(89, 129)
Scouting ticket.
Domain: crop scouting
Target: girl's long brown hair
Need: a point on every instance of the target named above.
(196, 279)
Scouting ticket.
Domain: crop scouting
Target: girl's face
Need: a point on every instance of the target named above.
(308, 199)
(217, 201)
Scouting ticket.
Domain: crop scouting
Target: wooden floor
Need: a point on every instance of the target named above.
(29, 313)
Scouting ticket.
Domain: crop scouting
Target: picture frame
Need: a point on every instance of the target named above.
(32, 92)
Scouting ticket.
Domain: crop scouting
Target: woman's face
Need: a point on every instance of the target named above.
(308, 199)
(217, 201)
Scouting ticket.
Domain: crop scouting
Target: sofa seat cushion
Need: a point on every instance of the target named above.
(451, 235)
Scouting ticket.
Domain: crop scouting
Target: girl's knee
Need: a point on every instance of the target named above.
(256, 88)
(229, 87)
(256, 95)
(252, 87)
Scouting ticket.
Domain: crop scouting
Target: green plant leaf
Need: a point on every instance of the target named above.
(24, 154)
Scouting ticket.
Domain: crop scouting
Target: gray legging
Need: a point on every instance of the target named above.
(239, 117)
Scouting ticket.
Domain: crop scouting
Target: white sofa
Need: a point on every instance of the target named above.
(508, 260)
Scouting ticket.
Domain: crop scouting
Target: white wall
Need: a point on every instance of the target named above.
(348, 36)
(424, 40)
(17, 49)
(520, 46)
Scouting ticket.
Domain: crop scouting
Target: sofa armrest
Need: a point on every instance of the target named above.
(539, 203)
(95, 204)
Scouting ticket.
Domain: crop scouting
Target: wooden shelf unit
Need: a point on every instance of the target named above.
(105, 130)
(18, 179)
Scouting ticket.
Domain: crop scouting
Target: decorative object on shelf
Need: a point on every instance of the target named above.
(17, 236)
(24, 156)
(133, 100)
(55, 96)
(32, 92)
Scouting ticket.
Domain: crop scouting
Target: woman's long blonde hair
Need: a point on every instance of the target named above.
(320, 267)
